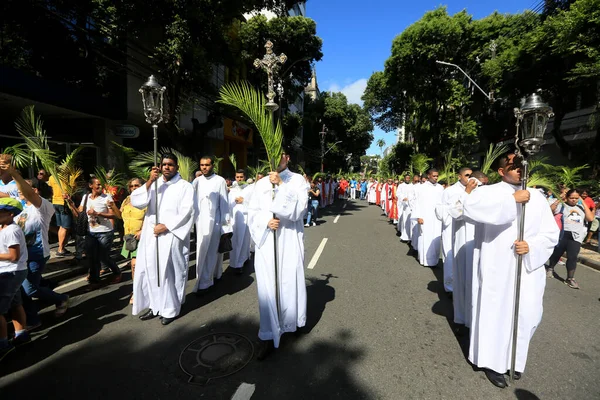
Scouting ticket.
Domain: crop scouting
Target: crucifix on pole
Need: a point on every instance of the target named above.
(270, 64)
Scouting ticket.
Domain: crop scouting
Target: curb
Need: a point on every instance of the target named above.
(589, 262)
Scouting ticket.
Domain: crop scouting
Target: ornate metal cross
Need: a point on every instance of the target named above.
(270, 64)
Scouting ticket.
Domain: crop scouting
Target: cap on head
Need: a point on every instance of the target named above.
(11, 205)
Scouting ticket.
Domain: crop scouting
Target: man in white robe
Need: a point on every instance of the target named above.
(289, 206)
(498, 208)
(463, 248)
(414, 227)
(443, 214)
(371, 193)
(428, 196)
(238, 208)
(175, 217)
(401, 192)
(324, 188)
(212, 215)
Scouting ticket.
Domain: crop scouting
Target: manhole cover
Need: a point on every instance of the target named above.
(215, 356)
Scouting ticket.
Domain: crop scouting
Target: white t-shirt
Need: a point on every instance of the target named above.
(12, 235)
(35, 223)
(98, 224)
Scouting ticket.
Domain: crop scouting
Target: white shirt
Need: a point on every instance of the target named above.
(12, 235)
(35, 223)
(98, 224)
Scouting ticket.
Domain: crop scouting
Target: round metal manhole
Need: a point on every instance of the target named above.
(214, 356)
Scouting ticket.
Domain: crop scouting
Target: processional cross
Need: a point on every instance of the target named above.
(270, 64)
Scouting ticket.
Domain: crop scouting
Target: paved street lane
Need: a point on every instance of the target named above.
(378, 328)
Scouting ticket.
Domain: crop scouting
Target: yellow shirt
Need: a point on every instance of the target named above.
(57, 194)
(133, 218)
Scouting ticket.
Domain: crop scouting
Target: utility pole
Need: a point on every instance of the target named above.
(323, 132)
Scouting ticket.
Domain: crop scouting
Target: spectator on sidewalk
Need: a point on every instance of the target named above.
(63, 217)
(133, 220)
(593, 226)
(100, 235)
(13, 271)
(313, 204)
(574, 214)
(34, 221)
(41, 183)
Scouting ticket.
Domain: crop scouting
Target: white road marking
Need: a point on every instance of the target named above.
(313, 261)
(244, 392)
(336, 218)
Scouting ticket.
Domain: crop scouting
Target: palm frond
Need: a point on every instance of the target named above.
(217, 165)
(21, 158)
(301, 170)
(494, 151)
(31, 129)
(141, 165)
(252, 103)
(233, 161)
(109, 179)
(539, 180)
(318, 175)
(420, 163)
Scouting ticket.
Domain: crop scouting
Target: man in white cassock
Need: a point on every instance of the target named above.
(371, 193)
(176, 215)
(401, 192)
(463, 247)
(239, 195)
(497, 208)
(281, 216)
(442, 211)
(428, 195)
(212, 215)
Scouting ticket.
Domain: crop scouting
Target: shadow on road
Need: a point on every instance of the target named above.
(522, 394)
(126, 366)
(318, 294)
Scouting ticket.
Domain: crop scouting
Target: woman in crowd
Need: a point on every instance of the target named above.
(100, 209)
(313, 204)
(133, 220)
(574, 214)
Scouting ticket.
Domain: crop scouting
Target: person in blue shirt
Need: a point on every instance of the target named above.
(353, 189)
(363, 189)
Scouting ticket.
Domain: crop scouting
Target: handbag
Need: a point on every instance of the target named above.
(81, 223)
(131, 242)
(225, 244)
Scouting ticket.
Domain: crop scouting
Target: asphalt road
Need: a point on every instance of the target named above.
(378, 329)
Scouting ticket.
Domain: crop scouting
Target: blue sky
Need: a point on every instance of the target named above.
(357, 37)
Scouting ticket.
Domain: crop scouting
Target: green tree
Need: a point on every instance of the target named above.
(381, 145)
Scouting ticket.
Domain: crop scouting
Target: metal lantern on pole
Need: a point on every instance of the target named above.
(152, 101)
(532, 118)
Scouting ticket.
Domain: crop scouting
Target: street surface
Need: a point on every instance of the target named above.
(379, 328)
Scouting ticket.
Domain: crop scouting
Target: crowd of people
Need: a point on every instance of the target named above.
(155, 223)
(472, 227)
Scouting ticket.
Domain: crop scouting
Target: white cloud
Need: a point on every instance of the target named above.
(353, 91)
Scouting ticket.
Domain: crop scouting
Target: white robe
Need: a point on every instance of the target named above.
(442, 212)
(462, 267)
(372, 194)
(241, 235)
(494, 207)
(400, 194)
(176, 211)
(430, 232)
(415, 228)
(212, 214)
(289, 206)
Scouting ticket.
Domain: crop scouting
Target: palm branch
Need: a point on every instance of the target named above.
(252, 172)
(217, 164)
(492, 154)
(109, 178)
(69, 172)
(301, 170)
(252, 103)
(141, 164)
(31, 129)
(570, 176)
(21, 158)
(233, 161)
(420, 162)
(537, 180)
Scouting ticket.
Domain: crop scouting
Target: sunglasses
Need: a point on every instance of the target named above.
(134, 185)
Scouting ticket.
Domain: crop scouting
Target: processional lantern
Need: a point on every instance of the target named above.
(532, 118)
(152, 100)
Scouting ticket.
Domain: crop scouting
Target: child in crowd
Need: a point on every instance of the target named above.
(13, 271)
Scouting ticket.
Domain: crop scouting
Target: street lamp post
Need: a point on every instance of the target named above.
(152, 101)
(323, 133)
(489, 96)
(270, 64)
(532, 118)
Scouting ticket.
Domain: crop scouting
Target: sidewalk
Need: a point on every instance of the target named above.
(589, 256)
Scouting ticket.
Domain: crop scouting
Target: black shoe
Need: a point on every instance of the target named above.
(166, 321)
(496, 378)
(147, 316)
(239, 271)
(265, 348)
(517, 375)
